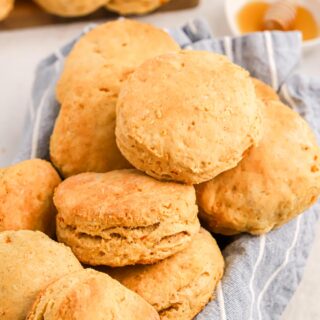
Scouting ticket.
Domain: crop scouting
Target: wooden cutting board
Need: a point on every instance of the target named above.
(27, 14)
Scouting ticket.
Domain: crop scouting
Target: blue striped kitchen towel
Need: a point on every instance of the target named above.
(263, 272)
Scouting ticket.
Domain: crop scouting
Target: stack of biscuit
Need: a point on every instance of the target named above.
(78, 8)
(149, 139)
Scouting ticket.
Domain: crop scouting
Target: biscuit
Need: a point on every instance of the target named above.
(26, 192)
(6, 7)
(109, 53)
(83, 138)
(263, 91)
(29, 262)
(187, 116)
(70, 8)
(89, 294)
(275, 182)
(178, 287)
(124, 217)
(127, 7)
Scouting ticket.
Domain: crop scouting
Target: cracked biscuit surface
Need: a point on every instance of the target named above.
(275, 182)
(83, 138)
(187, 116)
(26, 192)
(124, 217)
(89, 294)
(29, 262)
(180, 286)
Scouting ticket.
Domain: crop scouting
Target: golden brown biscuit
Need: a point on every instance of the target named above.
(109, 53)
(263, 91)
(6, 7)
(276, 181)
(124, 217)
(187, 116)
(26, 192)
(127, 7)
(89, 294)
(70, 8)
(29, 262)
(83, 138)
(178, 287)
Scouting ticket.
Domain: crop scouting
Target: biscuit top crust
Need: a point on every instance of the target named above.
(277, 180)
(200, 261)
(70, 8)
(23, 246)
(29, 262)
(108, 54)
(89, 294)
(191, 111)
(125, 198)
(26, 191)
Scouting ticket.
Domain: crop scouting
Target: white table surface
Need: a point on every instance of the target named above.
(20, 51)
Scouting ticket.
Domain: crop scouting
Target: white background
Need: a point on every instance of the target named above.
(20, 51)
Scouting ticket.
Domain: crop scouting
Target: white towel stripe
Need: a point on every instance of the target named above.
(221, 302)
(272, 63)
(59, 55)
(58, 64)
(31, 109)
(228, 47)
(280, 268)
(36, 127)
(286, 95)
(311, 114)
(274, 79)
(38, 115)
(293, 105)
(257, 263)
(37, 120)
(193, 27)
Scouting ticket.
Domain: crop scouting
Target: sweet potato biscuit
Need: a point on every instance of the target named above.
(187, 116)
(109, 53)
(178, 287)
(263, 91)
(276, 181)
(5, 8)
(29, 262)
(127, 7)
(124, 217)
(26, 192)
(70, 8)
(89, 294)
(83, 138)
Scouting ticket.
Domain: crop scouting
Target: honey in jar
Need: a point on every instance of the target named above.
(250, 18)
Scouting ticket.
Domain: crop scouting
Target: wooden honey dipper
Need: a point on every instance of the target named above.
(281, 15)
